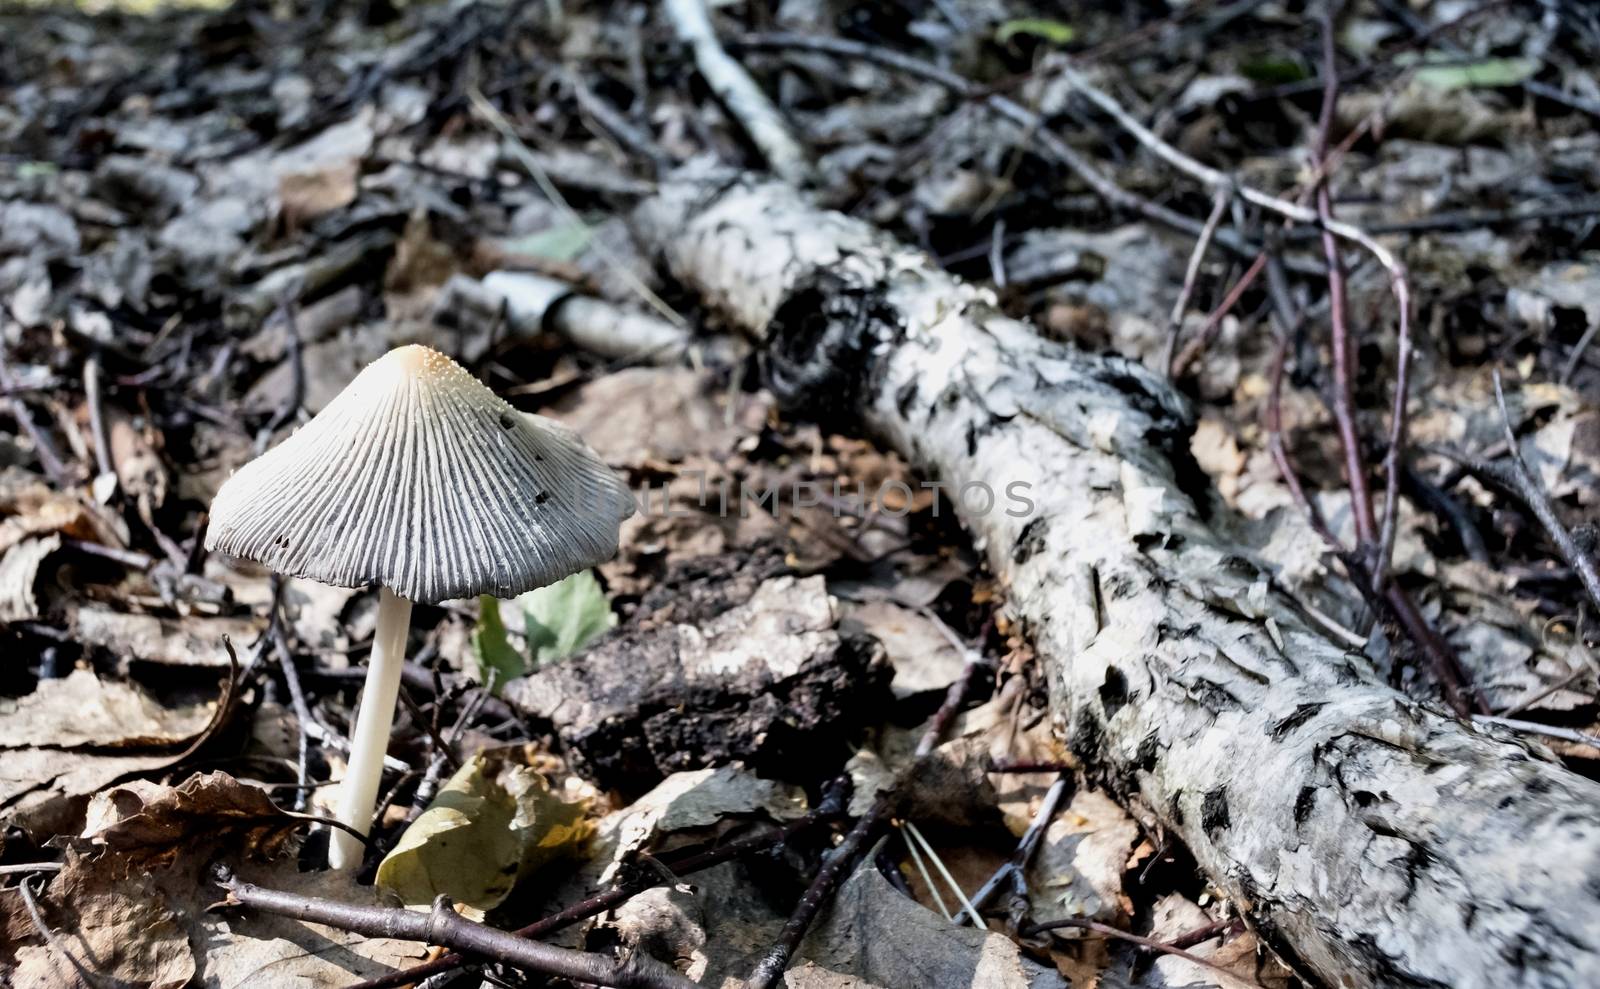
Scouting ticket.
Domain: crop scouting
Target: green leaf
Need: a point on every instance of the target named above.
(491, 826)
(1488, 73)
(1273, 70)
(1054, 32)
(564, 617)
(36, 169)
(494, 658)
(561, 243)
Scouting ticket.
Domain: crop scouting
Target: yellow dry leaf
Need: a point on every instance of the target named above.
(492, 825)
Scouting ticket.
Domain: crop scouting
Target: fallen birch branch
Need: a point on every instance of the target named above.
(1371, 839)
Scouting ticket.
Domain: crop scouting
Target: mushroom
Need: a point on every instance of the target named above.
(420, 480)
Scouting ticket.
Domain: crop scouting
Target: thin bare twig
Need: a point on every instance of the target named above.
(94, 398)
(1018, 863)
(443, 748)
(967, 909)
(738, 93)
(130, 558)
(442, 925)
(43, 447)
(1023, 766)
(1204, 933)
(958, 690)
(1578, 350)
(302, 716)
(1002, 106)
(1534, 728)
(612, 122)
(1444, 504)
(927, 877)
(297, 372)
(624, 271)
(1541, 694)
(1533, 495)
(29, 868)
(1447, 670)
(1106, 930)
(430, 778)
(80, 973)
(1376, 544)
(997, 255)
(1191, 274)
(1264, 261)
(1217, 179)
(772, 965)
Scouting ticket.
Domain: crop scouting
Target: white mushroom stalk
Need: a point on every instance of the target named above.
(420, 480)
(370, 742)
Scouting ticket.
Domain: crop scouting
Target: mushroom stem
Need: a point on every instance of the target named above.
(358, 793)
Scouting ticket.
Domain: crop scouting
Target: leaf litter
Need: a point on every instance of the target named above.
(234, 236)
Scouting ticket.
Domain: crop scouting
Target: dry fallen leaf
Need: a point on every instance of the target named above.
(19, 572)
(83, 711)
(29, 506)
(682, 809)
(872, 931)
(492, 825)
(1077, 871)
(43, 791)
(131, 902)
(117, 926)
(923, 657)
(144, 825)
(74, 736)
(304, 196)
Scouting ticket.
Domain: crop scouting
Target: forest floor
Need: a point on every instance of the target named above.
(211, 220)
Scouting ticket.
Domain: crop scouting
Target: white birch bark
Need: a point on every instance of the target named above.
(1374, 841)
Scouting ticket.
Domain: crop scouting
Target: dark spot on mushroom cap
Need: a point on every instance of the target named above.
(541, 497)
(505, 421)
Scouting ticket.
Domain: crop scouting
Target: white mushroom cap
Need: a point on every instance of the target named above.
(419, 478)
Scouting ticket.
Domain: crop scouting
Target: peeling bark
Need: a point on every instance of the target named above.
(729, 658)
(1374, 840)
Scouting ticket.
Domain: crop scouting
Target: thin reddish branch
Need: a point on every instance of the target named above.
(1325, 166)
(1178, 366)
(1272, 424)
(1191, 275)
(1344, 358)
(1459, 691)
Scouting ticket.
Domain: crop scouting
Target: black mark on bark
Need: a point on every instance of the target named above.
(1031, 541)
(1303, 805)
(1301, 714)
(1113, 692)
(1214, 811)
